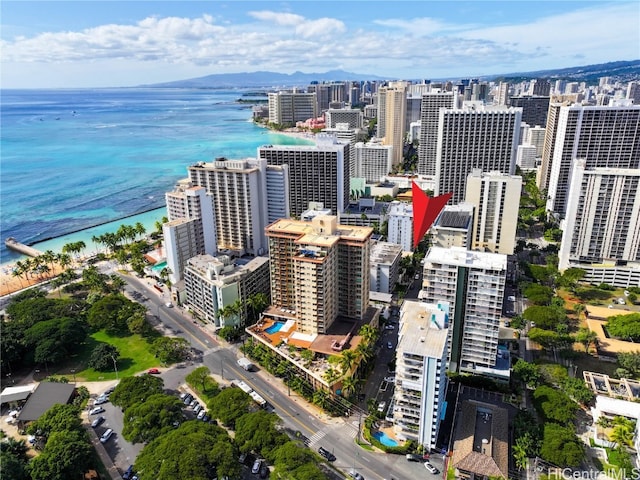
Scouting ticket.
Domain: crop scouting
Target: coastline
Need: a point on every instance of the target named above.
(292, 132)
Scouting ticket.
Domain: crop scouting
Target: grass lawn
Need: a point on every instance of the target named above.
(134, 357)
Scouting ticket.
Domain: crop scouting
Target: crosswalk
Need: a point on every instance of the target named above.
(316, 437)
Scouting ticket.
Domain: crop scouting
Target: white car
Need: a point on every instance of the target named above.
(381, 406)
(355, 475)
(431, 468)
(96, 410)
(389, 327)
(106, 436)
(511, 298)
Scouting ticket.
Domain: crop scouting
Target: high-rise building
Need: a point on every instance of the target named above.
(318, 173)
(191, 229)
(474, 137)
(400, 225)
(473, 284)
(633, 92)
(319, 270)
(287, 108)
(502, 95)
(526, 157)
(606, 137)
(496, 198)
(535, 136)
(392, 107)
(277, 192)
(602, 224)
(372, 161)
(542, 87)
(239, 191)
(551, 130)
(328, 93)
(213, 283)
(347, 136)
(384, 266)
(453, 227)
(429, 117)
(534, 108)
(353, 117)
(421, 380)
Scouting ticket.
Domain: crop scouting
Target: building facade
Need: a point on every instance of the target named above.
(421, 380)
(400, 226)
(473, 285)
(496, 200)
(372, 161)
(474, 137)
(318, 173)
(287, 108)
(351, 116)
(384, 266)
(453, 227)
(429, 117)
(392, 111)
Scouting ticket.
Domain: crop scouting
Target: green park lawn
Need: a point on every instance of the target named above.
(135, 357)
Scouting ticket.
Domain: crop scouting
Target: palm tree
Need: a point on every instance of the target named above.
(140, 230)
(622, 435)
(347, 359)
(579, 308)
(257, 304)
(117, 283)
(369, 334)
(64, 260)
(321, 398)
(18, 271)
(350, 386)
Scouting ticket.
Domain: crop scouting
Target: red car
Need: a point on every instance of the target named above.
(153, 371)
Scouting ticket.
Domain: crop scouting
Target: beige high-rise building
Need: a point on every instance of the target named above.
(319, 270)
(551, 130)
(429, 116)
(496, 198)
(287, 108)
(392, 111)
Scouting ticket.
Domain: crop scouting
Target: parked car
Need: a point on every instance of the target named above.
(355, 475)
(183, 395)
(431, 468)
(327, 454)
(206, 418)
(256, 466)
(389, 345)
(197, 408)
(128, 473)
(242, 458)
(381, 406)
(153, 371)
(187, 399)
(106, 435)
(101, 399)
(98, 421)
(96, 410)
(389, 327)
(194, 403)
(390, 379)
(412, 457)
(201, 414)
(168, 305)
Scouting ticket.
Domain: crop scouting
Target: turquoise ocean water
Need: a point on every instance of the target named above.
(75, 159)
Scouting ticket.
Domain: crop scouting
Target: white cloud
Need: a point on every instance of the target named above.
(421, 26)
(279, 18)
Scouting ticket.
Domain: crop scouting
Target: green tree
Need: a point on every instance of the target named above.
(257, 304)
(545, 317)
(200, 377)
(586, 337)
(229, 405)
(67, 454)
(258, 432)
(190, 451)
(112, 313)
(153, 417)
(630, 361)
(103, 356)
(560, 446)
(132, 390)
(623, 431)
(55, 339)
(528, 372)
(347, 360)
(170, 349)
(625, 326)
(578, 390)
(13, 459)
(555, 405)
(58, 418)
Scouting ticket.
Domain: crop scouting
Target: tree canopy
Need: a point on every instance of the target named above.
(113, 312)
(132, 390)
(554, 404)
(545, 317)
(151, 418)
(560, 446)
(630, 361)
(57, 419)
(170, 349)
(195, 450)
(625, 326)
(229, 405)
(66, 455)
(103, 356)
(257, 432)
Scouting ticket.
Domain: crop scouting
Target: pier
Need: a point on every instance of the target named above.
(13, 244)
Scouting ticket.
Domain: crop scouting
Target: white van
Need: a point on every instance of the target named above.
(106, 436)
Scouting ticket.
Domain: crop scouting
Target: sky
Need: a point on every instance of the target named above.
(113, 43)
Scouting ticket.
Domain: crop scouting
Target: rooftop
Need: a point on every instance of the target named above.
(309, 233)
(423, 328)
(385, 252)
(462, 257)
(44, 397)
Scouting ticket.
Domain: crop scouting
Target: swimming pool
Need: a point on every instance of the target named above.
(385, 440)
(159, 266)
(274, 328)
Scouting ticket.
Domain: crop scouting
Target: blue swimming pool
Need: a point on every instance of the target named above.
(385, 440)
(274, 328)
(159, 266)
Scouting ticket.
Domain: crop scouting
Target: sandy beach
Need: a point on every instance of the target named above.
(10, 284)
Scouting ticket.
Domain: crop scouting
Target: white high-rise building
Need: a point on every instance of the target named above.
(453, 227)
(496, 198)
(384, 266)
(213, 283)
(287, 108)
(277, 192)
(239, 192)
(474, 281)
(475, 136)
(191, 229)
(373, 161)
(535, 136)
(602, 225)
(317, 173)
(400, 225)
(526, 157)
(421, 380)
(606, 137)
(429, 118)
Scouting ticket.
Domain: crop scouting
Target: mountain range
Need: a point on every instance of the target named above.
(621, 70)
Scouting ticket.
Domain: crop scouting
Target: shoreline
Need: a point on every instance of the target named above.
(292, 132)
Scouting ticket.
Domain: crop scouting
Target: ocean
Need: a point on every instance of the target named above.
(75, 159)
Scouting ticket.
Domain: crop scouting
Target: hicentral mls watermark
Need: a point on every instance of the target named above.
(571, 474)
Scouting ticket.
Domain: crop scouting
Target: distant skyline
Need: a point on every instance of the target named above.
(58, 44)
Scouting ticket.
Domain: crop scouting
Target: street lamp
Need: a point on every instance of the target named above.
(73, 372)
